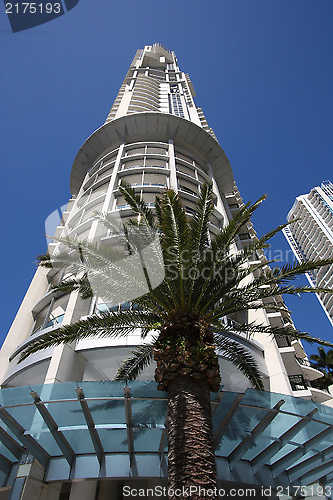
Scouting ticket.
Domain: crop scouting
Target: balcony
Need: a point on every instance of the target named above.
(298, 383)
(282, 341)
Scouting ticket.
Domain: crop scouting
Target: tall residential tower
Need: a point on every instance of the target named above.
(73, 433)
(311, 237)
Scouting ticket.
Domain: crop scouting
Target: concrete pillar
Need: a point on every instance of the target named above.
(29, 482)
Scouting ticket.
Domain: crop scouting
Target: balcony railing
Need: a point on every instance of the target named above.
(282, 341)
(303, 361)
(298, 383)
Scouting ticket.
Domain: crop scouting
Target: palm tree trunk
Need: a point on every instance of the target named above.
(191, 456)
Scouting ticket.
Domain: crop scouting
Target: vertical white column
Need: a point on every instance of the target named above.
(172, 166)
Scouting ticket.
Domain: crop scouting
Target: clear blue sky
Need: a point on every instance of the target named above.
(262, 71)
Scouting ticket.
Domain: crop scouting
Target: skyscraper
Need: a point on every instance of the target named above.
(75, 430)
(311, 237)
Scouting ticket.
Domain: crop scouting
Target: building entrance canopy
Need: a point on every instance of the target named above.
(106, 430)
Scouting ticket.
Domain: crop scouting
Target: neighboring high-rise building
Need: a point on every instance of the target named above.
(311, 237)
(73, 433)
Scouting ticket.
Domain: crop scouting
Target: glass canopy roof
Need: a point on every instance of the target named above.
(103, 429)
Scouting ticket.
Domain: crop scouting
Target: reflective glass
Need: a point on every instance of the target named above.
(221, 412)
(4, 426)
(46, 440)
(27, 416)
(66, 413)
(6, 453)
(309, 431)
(56, 392)
(148, 389)
(80, 441)
(103, 389)
(280, 425)
(108, 412)
(262, 399)
(261, 443)
(287, 448)
(113, 440)
(149, 412)
(15, 395)
(325, 414)
(299, 406)
(146, 439)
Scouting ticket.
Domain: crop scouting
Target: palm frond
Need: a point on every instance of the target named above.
(132, 366)
(107, 324)
(240, 357)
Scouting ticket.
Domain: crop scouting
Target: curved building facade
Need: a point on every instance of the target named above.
(154, 138)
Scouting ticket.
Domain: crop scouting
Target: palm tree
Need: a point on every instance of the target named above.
(323, 361)
(205, 283)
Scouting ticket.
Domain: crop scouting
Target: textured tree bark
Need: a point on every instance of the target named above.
(191, 456)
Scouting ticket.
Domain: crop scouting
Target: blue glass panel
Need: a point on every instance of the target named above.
(46, 440)
(27, 416)
(66, 413)
(56, 392)
(4, 426)
(103, 389)
(15, 395)
(108, 412)
(262, 399)
(80, 441)
(308, 432)
(149, 412)
(325, 414)
(287, 448)
(113, 440)
(261, 443)
(228, 399)
(146, 439)
(6, 453)
(298, 406)
(280, 425)
(146, 389)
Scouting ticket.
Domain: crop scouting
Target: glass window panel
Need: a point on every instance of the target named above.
(6, 453)
(155, 150)
(46, 440)
(135, 151)
(80, 441)
(325, 414)
(25, 416)
(66, 413)
(280, 425)
(108, 412)
(285, 450)
(154, 162)
(103, 389)
(309, 431)
(148, 389)
(15, 395)
(299, 406)
(262, 399)
(261, 443)
(146, 439)
(113, 440)
(56, 392)
(149, 412)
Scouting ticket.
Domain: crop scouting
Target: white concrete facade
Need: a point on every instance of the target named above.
(153, 144)
(154, 138)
